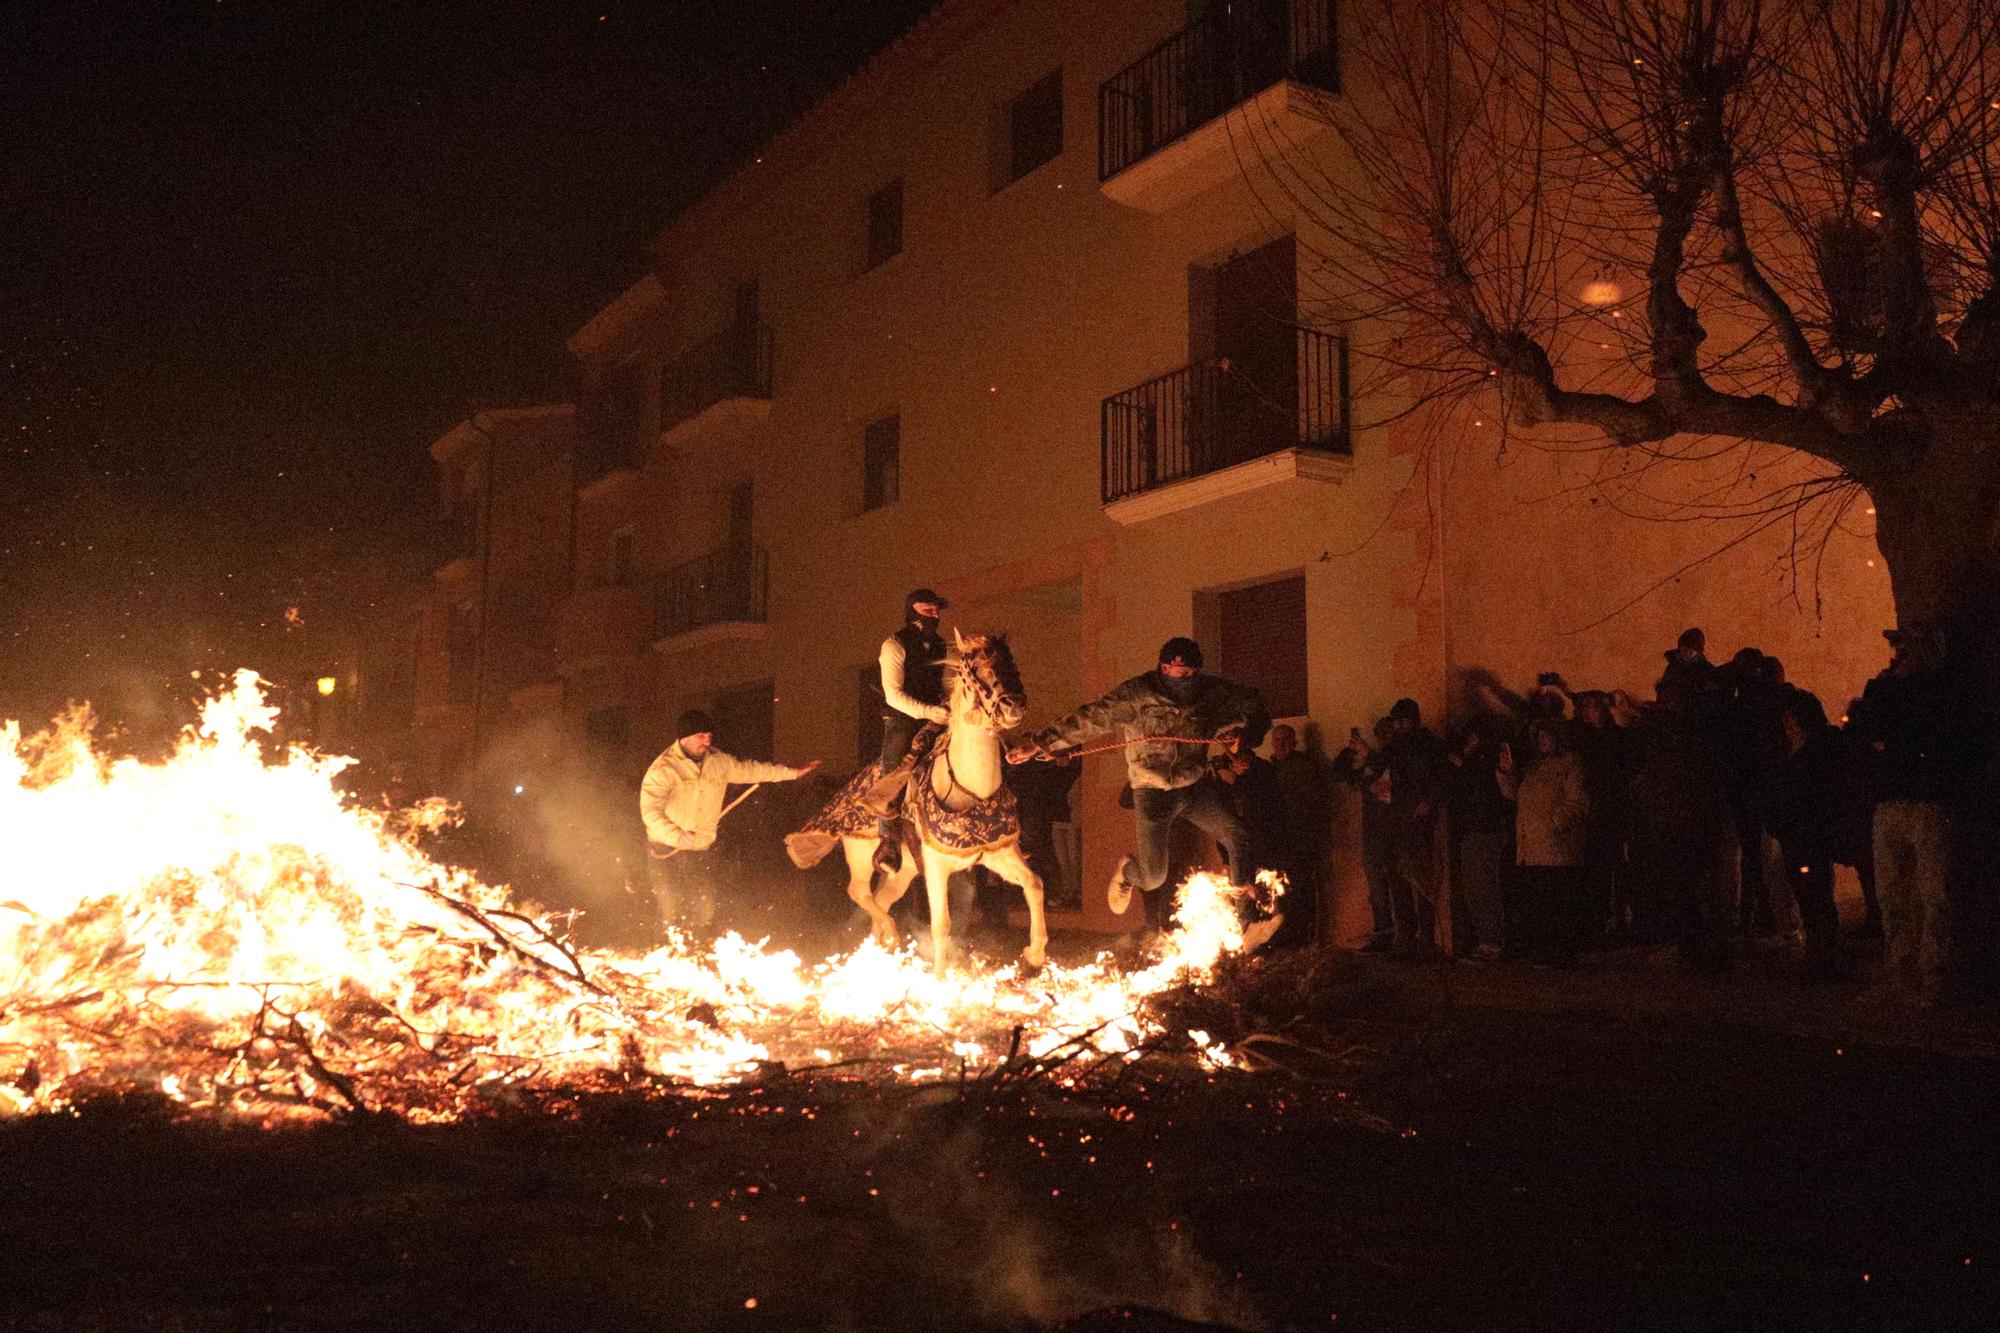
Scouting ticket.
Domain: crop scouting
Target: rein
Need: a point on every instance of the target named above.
(1136, 740)
(944, 757)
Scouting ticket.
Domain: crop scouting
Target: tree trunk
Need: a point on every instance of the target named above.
(1937, 522)
(1938, 526)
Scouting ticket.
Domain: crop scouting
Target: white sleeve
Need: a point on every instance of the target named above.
(742, 772)
(893, 692)
(653, 792)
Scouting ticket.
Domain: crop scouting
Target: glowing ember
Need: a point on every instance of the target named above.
(228, 931)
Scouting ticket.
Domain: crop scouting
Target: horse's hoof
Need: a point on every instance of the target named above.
(1032, 966)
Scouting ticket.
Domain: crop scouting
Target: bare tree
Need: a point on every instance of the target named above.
(1672, 227)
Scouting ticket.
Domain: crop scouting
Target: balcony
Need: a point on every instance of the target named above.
(724, 378)
(599, 626)
(1252, 76)
(1220, 427)
(717, 596)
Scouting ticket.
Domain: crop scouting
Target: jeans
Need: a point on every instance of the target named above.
(684, 890)
(1753, 901)
(1553, 909)
(1413, 882)
(1688, 875)
(1203, 804)
(1375, 857)
(1809, 872)
(1912, 854)
(898, 730)
(1484, 857)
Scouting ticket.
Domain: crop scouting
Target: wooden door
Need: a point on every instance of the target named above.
(1256, 343)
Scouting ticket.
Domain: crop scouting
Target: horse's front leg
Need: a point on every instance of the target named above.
(860, 853)
(896, 881)
(937, 884)
(1010, 865)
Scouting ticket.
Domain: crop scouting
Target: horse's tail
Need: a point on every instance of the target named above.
(847, 815)
(808, 847)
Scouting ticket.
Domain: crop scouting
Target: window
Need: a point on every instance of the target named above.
(881, 463)
(746, 720)
(1035, 128)
(885, 224)
(607, 739)
(1263, 641)
(868, 712)
(624, 558)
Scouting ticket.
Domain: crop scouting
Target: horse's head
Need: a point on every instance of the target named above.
(986, 689)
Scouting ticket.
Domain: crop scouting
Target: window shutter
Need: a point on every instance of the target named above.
(1264, 642)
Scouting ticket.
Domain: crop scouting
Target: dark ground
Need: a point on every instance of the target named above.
(1499, 1148)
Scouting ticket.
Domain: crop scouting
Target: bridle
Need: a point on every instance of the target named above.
(976, 676)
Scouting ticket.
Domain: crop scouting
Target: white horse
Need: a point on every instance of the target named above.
(957, 813)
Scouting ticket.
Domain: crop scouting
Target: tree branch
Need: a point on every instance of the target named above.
(1816, 384)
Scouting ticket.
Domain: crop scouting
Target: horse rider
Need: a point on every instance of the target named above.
(680, 801)
(1171, 779)
(913, 692)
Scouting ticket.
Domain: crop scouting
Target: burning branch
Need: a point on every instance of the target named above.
(574, 974)
(258, 946)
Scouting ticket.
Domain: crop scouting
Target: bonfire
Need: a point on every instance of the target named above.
(228, 930)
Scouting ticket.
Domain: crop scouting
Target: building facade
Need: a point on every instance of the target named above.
(1013, 314)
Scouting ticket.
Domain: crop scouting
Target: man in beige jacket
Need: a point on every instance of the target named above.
(680, 802)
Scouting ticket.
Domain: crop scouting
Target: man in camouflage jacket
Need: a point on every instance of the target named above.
(1171, 779)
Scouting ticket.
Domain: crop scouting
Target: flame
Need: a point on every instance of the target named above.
(227, 929)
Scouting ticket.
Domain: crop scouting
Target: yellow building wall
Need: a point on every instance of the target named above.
(997, 333)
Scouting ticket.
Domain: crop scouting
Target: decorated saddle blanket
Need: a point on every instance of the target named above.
(854, 812)
(985, 826)
(857, 809)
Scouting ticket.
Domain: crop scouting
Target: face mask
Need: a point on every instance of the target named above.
(1181, 690)
(924, 624)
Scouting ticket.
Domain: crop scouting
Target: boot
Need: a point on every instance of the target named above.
(1119, 895)
(890, 845)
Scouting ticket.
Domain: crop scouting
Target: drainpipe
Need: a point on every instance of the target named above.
(485, 575)
(569, 565)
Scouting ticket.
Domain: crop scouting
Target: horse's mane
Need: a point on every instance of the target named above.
(993, 650)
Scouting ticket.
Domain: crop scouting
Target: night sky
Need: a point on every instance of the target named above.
(254, 257)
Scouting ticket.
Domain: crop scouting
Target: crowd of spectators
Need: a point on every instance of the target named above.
(1572, 819)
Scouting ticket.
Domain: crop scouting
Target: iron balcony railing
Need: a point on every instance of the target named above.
(1217, 413)
(1225, 58)
(726, 586)
(734, 363)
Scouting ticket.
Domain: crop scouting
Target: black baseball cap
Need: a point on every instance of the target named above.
(1181, 649)
(925, 595)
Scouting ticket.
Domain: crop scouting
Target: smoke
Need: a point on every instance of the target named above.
(1039, 1261)
(566, 833)
(558, 832)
